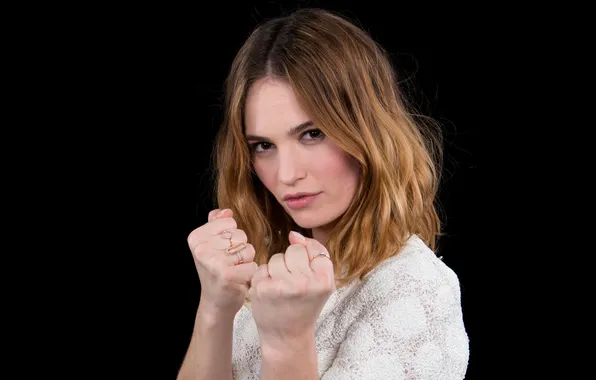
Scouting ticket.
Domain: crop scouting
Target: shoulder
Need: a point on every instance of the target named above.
(415, 292)
(414, 271)
(407, 318)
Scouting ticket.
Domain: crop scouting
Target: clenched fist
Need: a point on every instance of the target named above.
(288, 294)
(224, 261)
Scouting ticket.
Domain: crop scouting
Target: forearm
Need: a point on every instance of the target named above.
(209, 355)
(290, 360)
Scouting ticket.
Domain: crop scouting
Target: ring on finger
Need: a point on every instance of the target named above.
(240, 258)
(236, 248)
(227, 234)
(321, 254)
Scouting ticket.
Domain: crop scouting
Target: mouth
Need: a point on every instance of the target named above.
(294, 196)
(300, 200)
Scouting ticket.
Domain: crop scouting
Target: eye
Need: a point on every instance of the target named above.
(313, 134)
(261, 146)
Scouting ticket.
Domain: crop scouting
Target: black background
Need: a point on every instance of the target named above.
(145, 103)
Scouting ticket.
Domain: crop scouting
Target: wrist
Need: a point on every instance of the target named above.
(211, 316)
(284, 348)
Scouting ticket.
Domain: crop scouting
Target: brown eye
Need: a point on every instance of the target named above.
(313, 134)
(261, 147)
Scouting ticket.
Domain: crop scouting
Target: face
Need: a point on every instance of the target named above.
(292, 157)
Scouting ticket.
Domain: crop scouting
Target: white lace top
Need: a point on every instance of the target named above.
(403, 321)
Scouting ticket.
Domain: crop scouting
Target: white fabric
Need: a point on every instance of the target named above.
(403, 321)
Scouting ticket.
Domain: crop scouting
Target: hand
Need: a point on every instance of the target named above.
(224, 271)
(288, 294)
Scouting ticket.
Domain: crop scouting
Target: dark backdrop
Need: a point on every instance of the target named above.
(155, 76)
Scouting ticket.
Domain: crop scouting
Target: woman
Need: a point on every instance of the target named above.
(319, 263)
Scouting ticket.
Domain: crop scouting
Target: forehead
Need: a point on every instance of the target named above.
(271, 108)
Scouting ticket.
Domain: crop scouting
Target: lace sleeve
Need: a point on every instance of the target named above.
(414, 333)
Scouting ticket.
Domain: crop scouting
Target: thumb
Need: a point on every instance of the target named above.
(297, 238)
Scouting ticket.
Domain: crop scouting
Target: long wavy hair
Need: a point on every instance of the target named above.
(346, 82)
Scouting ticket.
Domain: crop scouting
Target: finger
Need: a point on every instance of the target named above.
(297, 260)
(261, 274)
(313, 246)
(316, 253)
(201, 234)
(277, 266)
(297, 238)
(243, 253)
(244, 273)
(229, 238)
(225, 213)
(212, 214)
(321, 264)
(220, 213)
(217, 226)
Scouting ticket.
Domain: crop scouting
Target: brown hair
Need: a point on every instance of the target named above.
(345, 81)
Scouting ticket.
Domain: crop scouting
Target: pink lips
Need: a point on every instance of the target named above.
(300, 201)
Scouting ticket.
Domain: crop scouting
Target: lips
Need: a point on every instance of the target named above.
(300, 201)
(296, 196)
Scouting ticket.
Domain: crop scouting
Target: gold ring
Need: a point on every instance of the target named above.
(227, 234)
(236, 248)
(240, 258)
(321, 254)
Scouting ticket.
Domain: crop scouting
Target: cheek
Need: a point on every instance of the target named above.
(337, 166)
(265, 173)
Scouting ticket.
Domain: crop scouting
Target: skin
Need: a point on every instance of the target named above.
(291, 155)
(289, 292)
(303, 161)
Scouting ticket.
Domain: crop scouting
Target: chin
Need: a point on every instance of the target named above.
(310, 220)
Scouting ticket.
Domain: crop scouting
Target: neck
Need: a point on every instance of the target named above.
(321, 234)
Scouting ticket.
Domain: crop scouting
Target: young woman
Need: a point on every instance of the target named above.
(319, 262)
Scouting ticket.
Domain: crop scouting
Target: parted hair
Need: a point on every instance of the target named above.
(346, 82)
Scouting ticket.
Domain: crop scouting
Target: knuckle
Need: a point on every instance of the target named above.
(209, 263)
(227, 275)
(225, 224)
(298, 289)
(193, 237)
(200, 230)
(277, 257)
(198, 251)
(294, 248)
(231, 222)
(249, 252)
(242, 235)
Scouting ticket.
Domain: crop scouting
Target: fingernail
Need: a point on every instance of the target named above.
(297, 234)
(221, 212)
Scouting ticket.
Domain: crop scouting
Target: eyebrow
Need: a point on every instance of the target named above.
(291, 132)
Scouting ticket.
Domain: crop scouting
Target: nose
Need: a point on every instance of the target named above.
(291, 166)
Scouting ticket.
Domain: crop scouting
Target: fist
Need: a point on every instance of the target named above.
(288, 293)
(224, 261)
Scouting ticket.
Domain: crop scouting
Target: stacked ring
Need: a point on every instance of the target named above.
(227, 234)
(237, 250)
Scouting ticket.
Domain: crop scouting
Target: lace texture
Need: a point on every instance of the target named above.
(403, 321)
